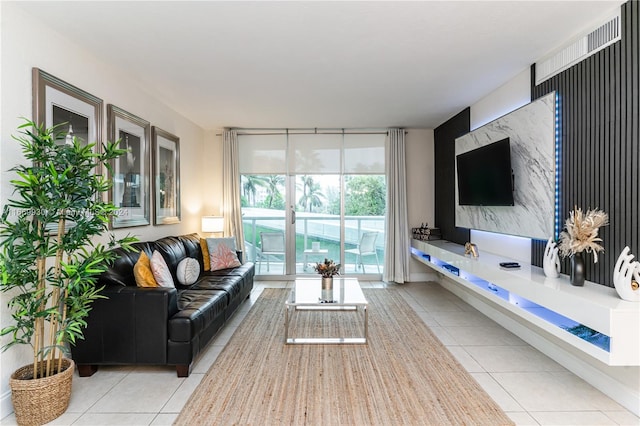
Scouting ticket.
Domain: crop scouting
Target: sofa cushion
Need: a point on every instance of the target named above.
(206, 260)
(143, 273)
(222, 253)
(232, 285)
(244, 270)
(161, 271)
(193, 248)
(121, 270)
(197, 309)
(188, 271)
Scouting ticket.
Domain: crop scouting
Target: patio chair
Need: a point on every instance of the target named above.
(366, 247)
(271, 245)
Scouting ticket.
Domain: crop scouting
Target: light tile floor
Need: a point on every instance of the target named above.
(530, 387)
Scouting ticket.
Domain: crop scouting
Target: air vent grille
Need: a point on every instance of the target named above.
(581, 48)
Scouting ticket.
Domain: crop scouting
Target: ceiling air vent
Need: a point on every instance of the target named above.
(581, 48)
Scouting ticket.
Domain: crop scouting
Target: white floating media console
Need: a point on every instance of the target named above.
(604, 326)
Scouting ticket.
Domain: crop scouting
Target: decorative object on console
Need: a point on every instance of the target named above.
(551, 261)
(424, 233)
(577, 274)
(472, 249)
(580, 235)
(626, 276)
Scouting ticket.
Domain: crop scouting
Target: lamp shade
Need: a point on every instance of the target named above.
(212, 223)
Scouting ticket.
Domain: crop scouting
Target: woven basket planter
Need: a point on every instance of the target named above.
(39, 401)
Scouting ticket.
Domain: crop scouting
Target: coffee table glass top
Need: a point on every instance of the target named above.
(309, 292)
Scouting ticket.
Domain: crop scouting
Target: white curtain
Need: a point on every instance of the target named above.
(397, 252)
(231, 209)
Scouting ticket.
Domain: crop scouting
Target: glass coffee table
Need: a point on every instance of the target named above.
(308, 295)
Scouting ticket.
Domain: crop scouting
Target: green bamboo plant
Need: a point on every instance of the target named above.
(49, 259)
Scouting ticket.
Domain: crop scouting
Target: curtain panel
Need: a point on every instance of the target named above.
(396, 263)
(231, 209)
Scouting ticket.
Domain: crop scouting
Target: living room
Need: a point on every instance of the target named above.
(23, 48)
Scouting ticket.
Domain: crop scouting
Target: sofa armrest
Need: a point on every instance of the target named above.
(128, 327)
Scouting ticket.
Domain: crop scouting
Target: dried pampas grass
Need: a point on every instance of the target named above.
(581, 233)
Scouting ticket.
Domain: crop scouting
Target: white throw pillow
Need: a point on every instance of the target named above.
(188, 271)
(160, 270)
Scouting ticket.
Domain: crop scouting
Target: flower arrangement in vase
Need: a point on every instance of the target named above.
(328, 268)
(581, 235)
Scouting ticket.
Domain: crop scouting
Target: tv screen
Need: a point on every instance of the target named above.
(485, 177)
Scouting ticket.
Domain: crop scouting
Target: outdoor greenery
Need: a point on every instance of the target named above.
(49, 260)
(365, 195)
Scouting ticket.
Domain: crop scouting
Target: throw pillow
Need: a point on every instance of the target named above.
(206, 261)
(222, 253)
(188, 271)
(142, 272)
(161, 271)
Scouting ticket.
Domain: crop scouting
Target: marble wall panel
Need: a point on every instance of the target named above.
(531, 131)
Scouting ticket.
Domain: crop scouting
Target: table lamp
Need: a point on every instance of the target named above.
(212, 224)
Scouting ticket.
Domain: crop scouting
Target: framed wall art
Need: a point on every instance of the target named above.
(131, 190)
(166, 177)
(56, 102)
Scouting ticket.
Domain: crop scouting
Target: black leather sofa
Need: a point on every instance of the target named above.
(168, 326)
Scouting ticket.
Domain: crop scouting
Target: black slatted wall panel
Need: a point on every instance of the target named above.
(600, 142)
(445, 175)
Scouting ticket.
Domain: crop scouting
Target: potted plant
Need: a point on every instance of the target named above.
(50, 262)
(580, 235)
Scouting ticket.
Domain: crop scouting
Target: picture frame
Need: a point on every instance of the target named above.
(55, 101)
(131, 178)
(166, 177)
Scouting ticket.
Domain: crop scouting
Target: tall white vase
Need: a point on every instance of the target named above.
(626, 276)
(551, 261)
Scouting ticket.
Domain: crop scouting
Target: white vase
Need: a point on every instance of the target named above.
(626, 276)
(551, 261)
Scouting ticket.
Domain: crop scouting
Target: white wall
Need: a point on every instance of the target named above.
(508, 97)
(212, 200)
(420, 189)
(27, 43)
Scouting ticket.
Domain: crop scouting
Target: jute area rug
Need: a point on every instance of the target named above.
(404, 375)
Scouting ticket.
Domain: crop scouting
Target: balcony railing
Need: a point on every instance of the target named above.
(312, 227)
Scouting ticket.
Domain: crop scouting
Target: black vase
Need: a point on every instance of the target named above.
(577, 270)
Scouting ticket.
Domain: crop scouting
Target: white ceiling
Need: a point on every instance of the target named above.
(321, 64)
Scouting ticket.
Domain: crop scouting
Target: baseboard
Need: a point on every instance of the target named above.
(6, 407)
(624, 395)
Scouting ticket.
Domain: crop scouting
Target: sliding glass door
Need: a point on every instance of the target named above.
(310, 196)
(317, 220)
(264, 222)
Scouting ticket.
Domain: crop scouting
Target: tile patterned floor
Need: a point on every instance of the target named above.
(529, 386)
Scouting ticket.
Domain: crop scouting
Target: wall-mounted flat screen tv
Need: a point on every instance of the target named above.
(485, 177)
